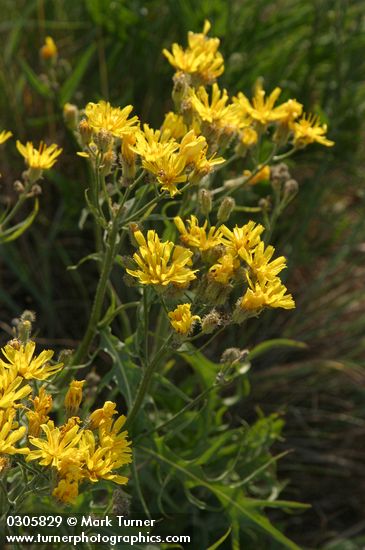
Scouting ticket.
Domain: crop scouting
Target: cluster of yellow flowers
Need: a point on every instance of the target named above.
(74, 451)
(227, 259)
(185, 148)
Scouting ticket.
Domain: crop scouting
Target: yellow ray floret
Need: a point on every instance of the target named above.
(258, 260)
(49, 48)
(174, 126)
(57, 445)
(195, 236)
(182, 319)
(10, 433)
(216, 111)
(269, 294)
(4, 136)
(169, 169)
(27, 365)
(161, 263)
(73, 396)
(309, 130)
(152, 144)
(42, 158)
(102, 116)
(245, 237)
(201, 59)
(11, 387)
(225, 268)
(261, 109)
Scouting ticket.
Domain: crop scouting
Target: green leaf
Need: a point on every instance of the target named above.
(206, 369)
(219, 542)
(235, 503)
(34, 81)
(71, 84)
(125, 371)
(95, 256)
(14, 232)
(264, 347)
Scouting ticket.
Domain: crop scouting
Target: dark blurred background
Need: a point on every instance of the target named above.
(314, 50)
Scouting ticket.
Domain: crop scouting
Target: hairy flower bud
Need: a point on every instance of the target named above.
(210, 322)
(86, 132)
(205, 201)
(103, 140)
(226, 209)
(291, 187)
(70, 115)
(234, 356)
(18, 186)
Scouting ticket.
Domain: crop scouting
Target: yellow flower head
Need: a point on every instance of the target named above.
(42, 158)
(42, 404)
(49, 49)
(261, 109)
(4, 136)
(66, 491)
(73, 396)
(174, 126)
(223, 271)
(182, 320)
(169, 169)
(262, 175)
(56, 446)
(111, 452)
(102, 116)
(10, 434)
(248, 137)
(100, 416)
(161, 263)
(272, 293)
(309, 130)
(27, 365)
(192, 147)
(152, 144)
(11, 387)
(204, 166)
(246, 237)
(200, 59)
(216, 112)
(289, 111)
(197, 237)
(259, 262)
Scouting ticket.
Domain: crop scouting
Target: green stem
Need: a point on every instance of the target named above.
(177, 415)
(146, 381)
(99, 295)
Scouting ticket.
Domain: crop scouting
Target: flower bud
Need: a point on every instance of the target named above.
(109, 159)
(85, 132)
(205, 201)
(73, 397)
(234, 356)
(18, 186)
(291, 187)
(28, 315)
(104, 140)
(181, 85)
(36, 190)
(70, 115)
(210, 322)
(24, 329)
(265, 204)
(225, 209)
(280, 171)
(49, 50)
